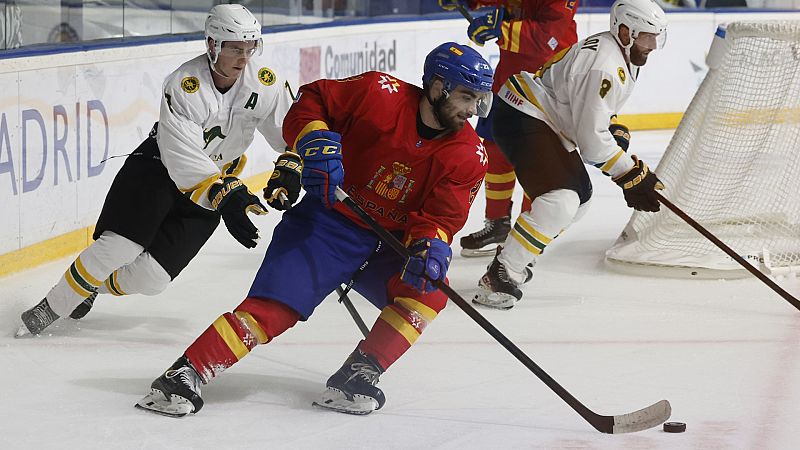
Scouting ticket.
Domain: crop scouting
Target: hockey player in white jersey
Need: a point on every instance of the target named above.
(168, 197)
(552, 122)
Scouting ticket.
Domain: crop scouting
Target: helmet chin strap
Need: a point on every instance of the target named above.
(437, 104)
(212, 62)
(437, 108)
(214, 68)
(626, 49)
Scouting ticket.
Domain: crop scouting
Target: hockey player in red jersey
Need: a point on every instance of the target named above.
(528, 33)
(407, 156)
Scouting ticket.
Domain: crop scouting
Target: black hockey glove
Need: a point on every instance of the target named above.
(639, 187)
(621, 134)
(283, 186)
(231, 198)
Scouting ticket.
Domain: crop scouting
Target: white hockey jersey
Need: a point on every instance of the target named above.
(203, 133)
(576, 93)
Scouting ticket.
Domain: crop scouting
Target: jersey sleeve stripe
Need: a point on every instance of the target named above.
(527, 90)
(235, 167)
(310, 126)
(196, 192)
(610, 163)
(516, 29)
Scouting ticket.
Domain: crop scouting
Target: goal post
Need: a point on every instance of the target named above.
(733, 165)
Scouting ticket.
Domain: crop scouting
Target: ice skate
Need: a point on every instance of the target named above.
(175, 393)
(36, 319)
(352, 389)
(84, 308)
(497, 288)
(484, 242)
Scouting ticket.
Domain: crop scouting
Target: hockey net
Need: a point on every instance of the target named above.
(733, 164)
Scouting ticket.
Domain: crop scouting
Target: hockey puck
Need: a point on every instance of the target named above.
(674, 427)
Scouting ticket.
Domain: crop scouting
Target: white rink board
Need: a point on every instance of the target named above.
(80, 108)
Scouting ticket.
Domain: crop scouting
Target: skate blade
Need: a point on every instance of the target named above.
(480, 252)
(22, 331)
(334, 400)
(494, 300)
(156, 402)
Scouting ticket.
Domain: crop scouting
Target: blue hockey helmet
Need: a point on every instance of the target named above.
(460, 65)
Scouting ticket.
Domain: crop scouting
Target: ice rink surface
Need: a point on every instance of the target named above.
(724, 353)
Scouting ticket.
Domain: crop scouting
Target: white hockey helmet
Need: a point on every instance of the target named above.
(231, 23)
(640, 16)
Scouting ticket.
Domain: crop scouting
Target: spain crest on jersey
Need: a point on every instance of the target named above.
(394, 183)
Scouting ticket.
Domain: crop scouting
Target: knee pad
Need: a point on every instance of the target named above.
(111, 251)
(552, 211)
(142, 276)
(265, 319)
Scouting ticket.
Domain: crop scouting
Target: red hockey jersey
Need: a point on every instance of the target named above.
(407, 183)
(533, 31)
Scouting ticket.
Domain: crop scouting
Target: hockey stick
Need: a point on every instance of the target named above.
(642, 419)
(729, 251)
(345, 300)
(464, 12)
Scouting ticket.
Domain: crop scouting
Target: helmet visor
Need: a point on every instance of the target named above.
(484, 104)
(240, 49)
(467, 101)
(651, 41)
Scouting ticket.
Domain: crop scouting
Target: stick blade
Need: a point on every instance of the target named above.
(652, 416)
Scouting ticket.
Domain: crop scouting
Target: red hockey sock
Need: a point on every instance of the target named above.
(232, 336)
(500, 182)
(401, 323)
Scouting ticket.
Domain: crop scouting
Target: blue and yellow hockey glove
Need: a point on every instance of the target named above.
(486, 27)
(429, 262)
(321, 151)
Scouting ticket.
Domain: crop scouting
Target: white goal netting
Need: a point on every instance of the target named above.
(733, 164)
